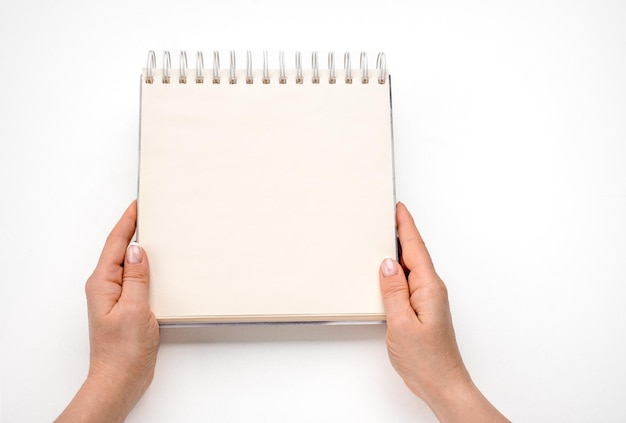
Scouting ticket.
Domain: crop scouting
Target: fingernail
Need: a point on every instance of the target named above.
(134, 254)
(389, 267)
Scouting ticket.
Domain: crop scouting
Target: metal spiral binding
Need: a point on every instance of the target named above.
(167, 64)
(282, 78)
(381, 65)
(216, 67)
(199, 68)
(182, 79)
(232, 77)
(299, 79)
(331, 68)
(150, 66)
(363, 61)
(381, 68)
(348, 67)
(266, 70)
(249, 76)
(316, 68)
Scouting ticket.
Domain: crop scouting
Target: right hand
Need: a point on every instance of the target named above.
(420, 337)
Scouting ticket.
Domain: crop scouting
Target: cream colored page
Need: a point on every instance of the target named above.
(266, 199)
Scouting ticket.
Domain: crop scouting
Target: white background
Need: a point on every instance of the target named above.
(510, 134)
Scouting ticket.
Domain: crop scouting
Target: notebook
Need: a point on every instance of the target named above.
(266, 187)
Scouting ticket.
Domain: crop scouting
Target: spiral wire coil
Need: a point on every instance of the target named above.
(381, 67)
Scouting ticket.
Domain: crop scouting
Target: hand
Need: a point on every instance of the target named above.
(123, 332)
(420, 336)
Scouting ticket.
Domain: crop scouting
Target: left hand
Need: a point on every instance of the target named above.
(123, 332)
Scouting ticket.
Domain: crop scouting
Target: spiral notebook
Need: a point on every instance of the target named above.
(266, 187)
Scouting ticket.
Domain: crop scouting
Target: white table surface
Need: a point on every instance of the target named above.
(510, 132)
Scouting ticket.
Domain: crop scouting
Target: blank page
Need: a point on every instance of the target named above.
(266, 202)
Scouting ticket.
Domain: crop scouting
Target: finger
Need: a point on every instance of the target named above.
(395, 293)
(136, 277)
(114, 250)
(103, 288)
(415, 256)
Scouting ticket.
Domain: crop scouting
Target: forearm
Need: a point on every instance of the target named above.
(464, 403)
(96, 401)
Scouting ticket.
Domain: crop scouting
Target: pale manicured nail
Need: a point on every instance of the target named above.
(134, 254)
(389, 267)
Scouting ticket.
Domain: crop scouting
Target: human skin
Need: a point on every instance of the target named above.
(420, 336)
(124, 334)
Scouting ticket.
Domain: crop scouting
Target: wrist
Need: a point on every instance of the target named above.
(107, 388)
(117, 388)
(96, 401)
(435, 385)
(451, 397)
(463, 401)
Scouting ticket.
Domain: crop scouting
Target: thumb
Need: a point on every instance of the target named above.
(395, 291)
(136, 277)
